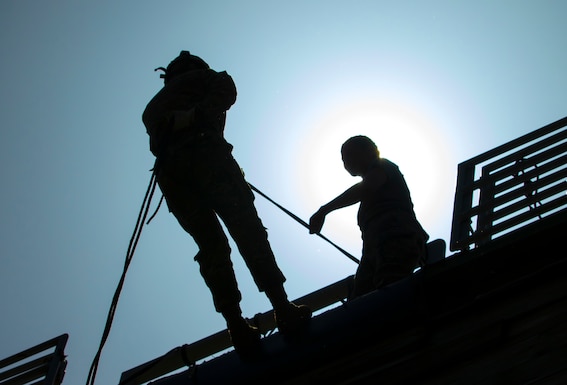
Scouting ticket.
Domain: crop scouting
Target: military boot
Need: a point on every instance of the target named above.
(292, 320)
(244, 337)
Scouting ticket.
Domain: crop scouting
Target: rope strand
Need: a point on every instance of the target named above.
(302, 222)
(130, 253)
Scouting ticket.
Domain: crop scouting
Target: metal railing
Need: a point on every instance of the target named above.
(510, 186)
(43, 364)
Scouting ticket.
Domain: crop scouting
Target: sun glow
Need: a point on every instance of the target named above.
(402, 134)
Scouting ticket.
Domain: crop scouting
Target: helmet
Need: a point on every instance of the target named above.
(183, 63)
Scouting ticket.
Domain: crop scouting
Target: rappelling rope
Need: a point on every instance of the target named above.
(302, 222)
(131, 248)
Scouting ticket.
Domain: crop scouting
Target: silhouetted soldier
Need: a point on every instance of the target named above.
(393, 241)
(201, 182)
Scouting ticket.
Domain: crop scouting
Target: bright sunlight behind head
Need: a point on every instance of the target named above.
(403, 135)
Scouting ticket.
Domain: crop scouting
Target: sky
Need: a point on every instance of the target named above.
(432, 83)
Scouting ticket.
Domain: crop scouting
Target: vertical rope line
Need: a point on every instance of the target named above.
(129, 255)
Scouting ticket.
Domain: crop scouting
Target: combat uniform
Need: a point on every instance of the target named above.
(393, 239)
(201, 181)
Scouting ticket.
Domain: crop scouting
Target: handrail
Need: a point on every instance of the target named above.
(510, 186)
(22, 368)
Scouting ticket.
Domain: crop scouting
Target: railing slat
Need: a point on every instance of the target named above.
(527, 203)
(531, 149)
(25, 377)
(49, 368)
(529, 175)
(39, 362)
(531, 214)
(531, 136)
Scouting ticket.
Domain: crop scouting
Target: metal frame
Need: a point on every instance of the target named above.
(510, 186)
(48, 368)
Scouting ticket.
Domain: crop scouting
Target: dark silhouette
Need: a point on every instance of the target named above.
(202, 182)
(393, 240)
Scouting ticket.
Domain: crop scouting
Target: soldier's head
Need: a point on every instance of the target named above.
(185, 62)
(358, 153)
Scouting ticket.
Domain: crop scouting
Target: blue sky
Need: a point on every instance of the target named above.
(432, 84)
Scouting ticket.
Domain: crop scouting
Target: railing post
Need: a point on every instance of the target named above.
(462, 206)
(483, 232)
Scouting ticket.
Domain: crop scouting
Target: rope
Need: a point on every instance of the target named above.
(132, 247)
(531, 192)
(302, 222)
(130, 253)
(156, 210)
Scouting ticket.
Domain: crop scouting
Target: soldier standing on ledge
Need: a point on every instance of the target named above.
(202, 182)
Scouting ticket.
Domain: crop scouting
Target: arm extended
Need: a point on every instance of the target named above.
(351, 196)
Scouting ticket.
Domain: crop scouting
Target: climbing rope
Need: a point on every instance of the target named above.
(130, 253)
(303, 223)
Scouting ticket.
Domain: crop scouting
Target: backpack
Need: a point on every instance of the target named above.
(183, 63)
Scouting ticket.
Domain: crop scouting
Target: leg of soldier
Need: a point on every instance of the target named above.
(364, 277)
(184, 184)
(227, 193)
(388, 256)
(181, 191)
(234, 203)
(398, 258)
